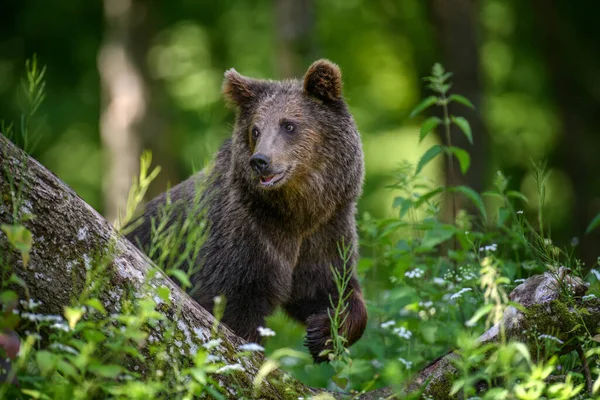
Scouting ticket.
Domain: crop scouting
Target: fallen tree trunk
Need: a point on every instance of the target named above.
(68, 233)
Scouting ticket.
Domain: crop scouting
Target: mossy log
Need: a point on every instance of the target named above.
(68, 233)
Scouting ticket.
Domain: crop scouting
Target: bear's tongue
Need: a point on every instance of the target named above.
(266, 179)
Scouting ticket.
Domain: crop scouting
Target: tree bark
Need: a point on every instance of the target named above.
(67, 233)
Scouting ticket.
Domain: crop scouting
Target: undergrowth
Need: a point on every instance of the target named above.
(432, 285)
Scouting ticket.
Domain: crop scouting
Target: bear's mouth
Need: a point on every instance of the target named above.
(270, 180)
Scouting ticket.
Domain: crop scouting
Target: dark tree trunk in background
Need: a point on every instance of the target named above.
(456, 32)
(577, 150)
(294, 22)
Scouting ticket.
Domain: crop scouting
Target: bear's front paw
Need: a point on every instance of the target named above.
(318, 335)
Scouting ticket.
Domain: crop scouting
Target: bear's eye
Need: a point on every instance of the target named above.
(289, 127)
(255, 133)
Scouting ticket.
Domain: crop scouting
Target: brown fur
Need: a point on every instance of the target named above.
(273, 244)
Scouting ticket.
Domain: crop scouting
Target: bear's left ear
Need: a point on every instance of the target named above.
(323, 80)
(239, 90)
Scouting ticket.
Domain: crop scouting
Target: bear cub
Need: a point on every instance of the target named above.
(278, 203)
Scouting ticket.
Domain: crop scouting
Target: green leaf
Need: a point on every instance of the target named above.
(20, 238)
(164, 292)
(426, 103)
(105, 370)
(46, 362)
(66, 368)
(430, 124)
(96, 304)
(464, 126)
(462, 100)
(517, 195)
(479, 313)
(429, 155)
(464, 160)
(594, 224)
(426, 196)
(473, 196)
(181, 277)
(437, 235)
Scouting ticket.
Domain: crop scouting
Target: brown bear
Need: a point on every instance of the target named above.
(279, 201)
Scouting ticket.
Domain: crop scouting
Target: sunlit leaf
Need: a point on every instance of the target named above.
(426, 103)
(46, 362)
(461, 99)
(482, 311)
(105, 370)
(428, 156)
(464, 126)
(430, 124)
(73, 315)
(463, 157)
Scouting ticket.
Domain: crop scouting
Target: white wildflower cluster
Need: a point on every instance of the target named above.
(550, 337)
(387, 324)
(588, 297)
(30, 304)
(425, 304)
(491, 247)
(265, 331)
(415, 273)
(251, 347)
(439, 281)
(211, 344)
(403, 332)
(407, 364)
(61, 326)
(233, 367)
(62, 347)
(42, 317)
(460, 293)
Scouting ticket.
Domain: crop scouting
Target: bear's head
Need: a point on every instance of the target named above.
(296, 139)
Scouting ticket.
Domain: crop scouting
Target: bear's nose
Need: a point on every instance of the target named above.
(259, 162)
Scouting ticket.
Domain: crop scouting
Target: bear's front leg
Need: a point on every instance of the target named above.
(353, 319)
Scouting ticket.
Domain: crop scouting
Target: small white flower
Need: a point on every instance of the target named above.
(491, 247)
(460, 293)
(520, 212)
(251, 347)
(233, 367)
(439, 281)
(550, 337)
(61, 326)
(407, 364)
(403, 332)
(596, 273)
(389, 323)
(265, 331)
(415, 273)
(211, 344)
(588, 297)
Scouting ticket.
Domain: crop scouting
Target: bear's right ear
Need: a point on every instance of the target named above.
(237, 89)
